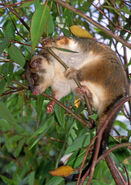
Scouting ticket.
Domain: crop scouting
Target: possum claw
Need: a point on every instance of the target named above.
(83, 90)
(50, 107)
(71, 73)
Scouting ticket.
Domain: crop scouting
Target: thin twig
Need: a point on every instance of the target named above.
(76, 81)
(112, 149)
(116, 131)
(83, 162)
(16, 82)
(57, 58)
(11, 92)
(116, 108)
(20, 84)
(14, 41)
(85, 123)
(14, 4)
(103, 14)
(21, 20)
(98, 142)
(116, 174)
(127, 175)
(116, 37)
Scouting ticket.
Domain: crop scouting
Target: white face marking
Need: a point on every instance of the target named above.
(73, 45)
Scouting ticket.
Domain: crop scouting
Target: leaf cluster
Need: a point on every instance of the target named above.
(31, 141)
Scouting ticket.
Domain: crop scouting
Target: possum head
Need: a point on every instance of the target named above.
(39, 74)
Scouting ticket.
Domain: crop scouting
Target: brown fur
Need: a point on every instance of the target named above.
(94, 64)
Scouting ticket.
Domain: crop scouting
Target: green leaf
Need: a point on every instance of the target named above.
(93, 116)
(116, 10)
(7, 70)
(6, 180)
(19, 147)
(122, 153)
(38, 23)
(4, 125)
(125, 10)
(42, 130)
(39, 103)
(66, 32)
(31, 178)
(2, 86)
(16, 56)
(5, 114)
(27, 4)
(59, 111)
(49, 26)
(55, 181)
(3, 44)
(121, 124)
(71, 183)
(81, 141)
(76, 158)
(11, 141)
(10, 31)
(2, 11)
(45, 126)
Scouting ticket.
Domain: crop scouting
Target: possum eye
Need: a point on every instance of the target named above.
(34, 70)
(35, 77)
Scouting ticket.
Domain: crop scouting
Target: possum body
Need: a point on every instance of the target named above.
(94, 64)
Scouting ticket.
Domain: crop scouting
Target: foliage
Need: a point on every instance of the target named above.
(31, 141)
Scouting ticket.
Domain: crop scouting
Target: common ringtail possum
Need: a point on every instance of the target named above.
(92, 63)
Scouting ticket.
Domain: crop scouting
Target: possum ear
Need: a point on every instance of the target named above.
(36, 72)
(36, 61)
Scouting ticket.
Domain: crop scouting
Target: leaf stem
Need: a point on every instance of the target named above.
(105, 30)
(76, 81)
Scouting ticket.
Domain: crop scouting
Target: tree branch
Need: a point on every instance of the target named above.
(112, 149)
(117, 176)
(116, 37)
(85, 123)
(83, 162)
(127, 176)
(21, 20)
(119, 179)
(14, 4)
(99, 135)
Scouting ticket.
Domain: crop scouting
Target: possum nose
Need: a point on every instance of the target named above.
(35, 93)
(35, 90)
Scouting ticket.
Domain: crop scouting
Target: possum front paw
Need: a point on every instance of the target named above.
(50, 107)
(84, 90)
(71, 73)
